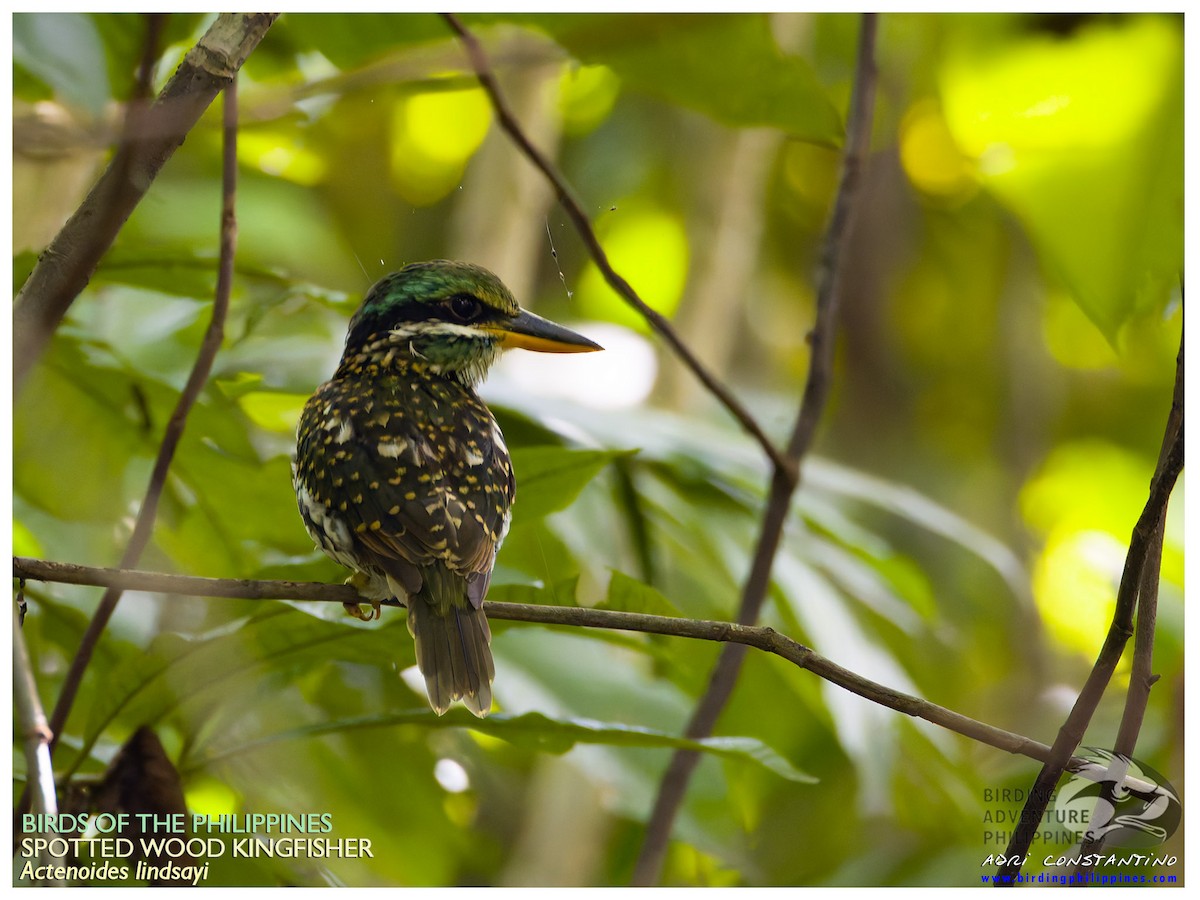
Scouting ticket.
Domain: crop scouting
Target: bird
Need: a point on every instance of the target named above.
(401, 473)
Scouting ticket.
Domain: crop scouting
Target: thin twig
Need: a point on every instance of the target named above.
(1137, 695)
(184, 585)
(173, 433)
(66, 265)
(1137, 558)
(1141, 675)
(724, 676)
(759, 637)
(566, 196)
(35, 730)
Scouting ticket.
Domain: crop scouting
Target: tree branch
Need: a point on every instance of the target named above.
(173, 432)
(1142, 676)
(566, 196)
(724, 676)
(35, 730)
(761, 638)
(66, 265)
(1138, 557)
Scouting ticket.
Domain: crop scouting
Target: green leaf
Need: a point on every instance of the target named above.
(550, 478)
(64, 50)
(351, 41)
(561, 593)
(197, 675)
(627, 594)
(23, 264)
(538, 732)
(671, 56)
(917, 509)
(72, 440)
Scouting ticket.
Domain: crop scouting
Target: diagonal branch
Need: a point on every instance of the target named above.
(1139, 557)
(566, 196)
(758, 637)
(64, 267)
(816, 391)
(175, 425)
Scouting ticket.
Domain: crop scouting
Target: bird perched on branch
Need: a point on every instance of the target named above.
(401, 472)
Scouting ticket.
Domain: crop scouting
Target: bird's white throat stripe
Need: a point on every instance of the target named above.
(413, 329)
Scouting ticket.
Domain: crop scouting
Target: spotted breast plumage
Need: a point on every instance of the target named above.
(401, 472)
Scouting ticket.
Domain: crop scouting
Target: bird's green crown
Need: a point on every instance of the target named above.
(452, 318)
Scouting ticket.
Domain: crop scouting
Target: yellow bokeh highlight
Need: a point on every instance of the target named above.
(1084, 501)
(447, 126)
(1075, 584)
(275, 155)
(649, 248)
(206, 796)
(931, 158)
(586, 95)
(433, 135)
(1087, 485)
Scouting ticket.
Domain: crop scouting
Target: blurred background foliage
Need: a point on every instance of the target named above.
(1004, 369)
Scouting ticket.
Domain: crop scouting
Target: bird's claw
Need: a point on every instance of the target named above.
(360, 582)
(356, 610)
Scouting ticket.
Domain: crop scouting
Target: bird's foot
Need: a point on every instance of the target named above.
(361, 583)
(356, 610)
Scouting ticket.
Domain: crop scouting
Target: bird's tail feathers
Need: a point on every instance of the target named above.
(454, 654)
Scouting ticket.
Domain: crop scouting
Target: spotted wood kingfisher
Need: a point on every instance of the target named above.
(401, 472)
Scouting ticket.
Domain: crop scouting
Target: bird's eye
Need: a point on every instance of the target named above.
(464, 307)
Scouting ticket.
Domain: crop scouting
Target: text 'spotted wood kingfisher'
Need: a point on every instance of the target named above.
(401, 472)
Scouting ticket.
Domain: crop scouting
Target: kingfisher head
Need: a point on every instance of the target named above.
(454, 317)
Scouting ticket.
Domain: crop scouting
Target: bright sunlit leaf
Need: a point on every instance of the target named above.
(274, 411)
(1085, 147)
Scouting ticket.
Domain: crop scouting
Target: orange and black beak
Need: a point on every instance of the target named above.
(531, 332)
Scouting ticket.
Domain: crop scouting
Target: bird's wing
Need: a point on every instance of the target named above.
(416, 480)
